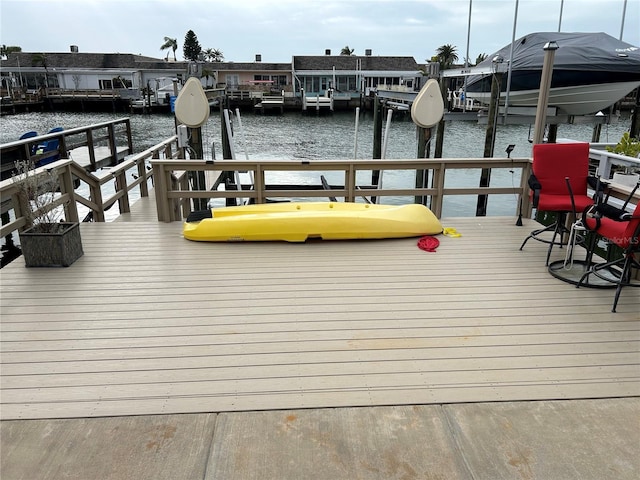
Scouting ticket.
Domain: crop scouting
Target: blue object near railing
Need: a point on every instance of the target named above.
(49, 146)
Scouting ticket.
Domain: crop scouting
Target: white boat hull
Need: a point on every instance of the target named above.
(573, 100)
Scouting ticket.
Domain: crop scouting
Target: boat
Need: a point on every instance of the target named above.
(591, 72)
(300, 221)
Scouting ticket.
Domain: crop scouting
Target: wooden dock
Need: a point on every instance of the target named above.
(270, 102)
(175, 357)
(102, 157)
(149, 323)
(317, 103)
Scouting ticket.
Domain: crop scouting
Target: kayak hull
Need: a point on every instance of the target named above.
(300, 221)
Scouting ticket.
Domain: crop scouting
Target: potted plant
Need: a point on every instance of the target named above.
(47, 240)
(629, 147)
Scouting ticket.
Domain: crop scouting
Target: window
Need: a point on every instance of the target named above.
(232, 80)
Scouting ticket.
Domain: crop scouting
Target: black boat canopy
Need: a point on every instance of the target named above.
(577, 51)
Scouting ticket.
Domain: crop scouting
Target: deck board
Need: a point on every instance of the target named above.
(149, 323)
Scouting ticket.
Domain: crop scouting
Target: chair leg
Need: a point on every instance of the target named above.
(556, 231)
(625, 278)
(558, 228)
(534, 233)
(627, 263)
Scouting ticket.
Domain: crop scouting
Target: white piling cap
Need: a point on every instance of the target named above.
(192, 105)
(428, 107)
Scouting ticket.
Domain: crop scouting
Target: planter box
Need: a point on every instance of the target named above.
(627, 179)
(59, 248)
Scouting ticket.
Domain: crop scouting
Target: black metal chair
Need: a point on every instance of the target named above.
(620, 228)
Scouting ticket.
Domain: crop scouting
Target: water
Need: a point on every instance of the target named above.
(296, 136)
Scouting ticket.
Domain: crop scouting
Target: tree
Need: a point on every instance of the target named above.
(480, 58)
(191, 48)
(170, 43)
(40, 59)
(446, 56)
(6, 50)
(208, 73)
(213, 55)
(346, 51)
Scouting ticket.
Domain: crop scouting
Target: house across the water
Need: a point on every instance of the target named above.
(122, 81)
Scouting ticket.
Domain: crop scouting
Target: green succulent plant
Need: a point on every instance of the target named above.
(626, 146)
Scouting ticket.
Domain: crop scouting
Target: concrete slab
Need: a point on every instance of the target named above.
(154, 447)
(388, 443)
(581, 439)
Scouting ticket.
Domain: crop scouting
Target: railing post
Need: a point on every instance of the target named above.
(438, 184)
(185, 204)
(113, 148)
(258, 184)
(96, 196)
(92, 151)
(527, 208)
(167, 152)
(127, 123)
(65, 178)
(350, 183)
(162, 202)
(20, 207)
(121, 187)
(62, 147)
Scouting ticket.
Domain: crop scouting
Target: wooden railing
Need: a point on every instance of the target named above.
(83, 93)
(112, 133)
(171, 195)
(67, 172)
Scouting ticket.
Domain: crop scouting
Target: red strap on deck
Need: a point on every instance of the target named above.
(428, 243)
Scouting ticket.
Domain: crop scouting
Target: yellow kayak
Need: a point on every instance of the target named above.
(299, 221)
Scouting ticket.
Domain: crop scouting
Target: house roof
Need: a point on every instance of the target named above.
(349, 62)
(90, 60)
(139, 62)
(252, 66)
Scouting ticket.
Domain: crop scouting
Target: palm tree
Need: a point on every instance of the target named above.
(208, 73)
(446, 55)
(213, 55)
(481, 58)
(170, 43)
(347, 51)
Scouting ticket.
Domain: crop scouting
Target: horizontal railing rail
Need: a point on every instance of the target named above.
(606, 160)
(171, 195)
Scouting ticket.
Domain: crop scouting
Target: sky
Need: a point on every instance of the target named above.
(279, 29)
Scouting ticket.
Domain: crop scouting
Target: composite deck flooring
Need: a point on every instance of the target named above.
(147, 322)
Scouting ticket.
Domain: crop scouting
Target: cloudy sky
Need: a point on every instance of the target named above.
(278, 29)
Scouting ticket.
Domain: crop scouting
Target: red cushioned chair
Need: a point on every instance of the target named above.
(559, 184)
(621, 228)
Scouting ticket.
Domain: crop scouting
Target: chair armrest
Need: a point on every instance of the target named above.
(535, 186)
(614, 213)
(599, 187)
(597, 183)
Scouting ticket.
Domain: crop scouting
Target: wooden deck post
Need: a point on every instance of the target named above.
(121, 188)
(127, 123)
(438, 184)
(113, 148)
(91, 149)
(65, 179)
(162, 202)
